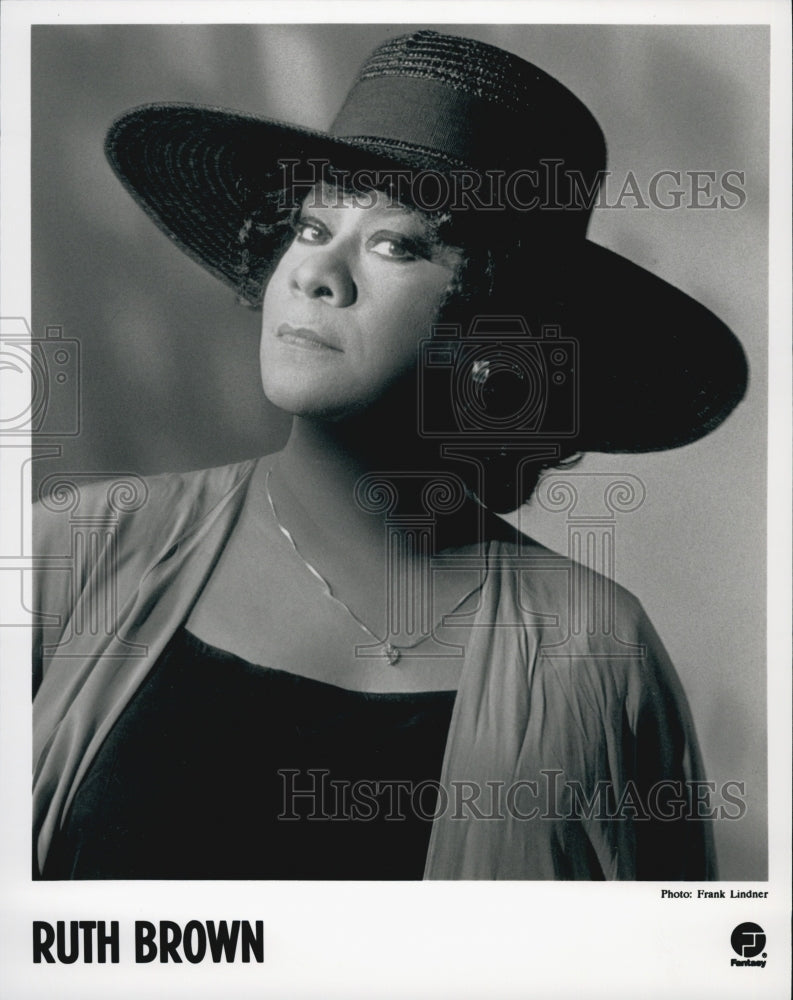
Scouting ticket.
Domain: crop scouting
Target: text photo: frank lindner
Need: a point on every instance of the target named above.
(498, 278)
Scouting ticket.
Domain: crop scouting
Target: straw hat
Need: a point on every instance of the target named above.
(655, 369)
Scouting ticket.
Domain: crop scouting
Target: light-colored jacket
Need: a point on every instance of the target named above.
(571, 753)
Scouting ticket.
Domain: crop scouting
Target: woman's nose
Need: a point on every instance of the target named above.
(324, 274)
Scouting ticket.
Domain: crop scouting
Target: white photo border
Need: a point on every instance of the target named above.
(372, 940)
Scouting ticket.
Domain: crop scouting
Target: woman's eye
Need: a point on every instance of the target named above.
(393, 248)
(309, 231)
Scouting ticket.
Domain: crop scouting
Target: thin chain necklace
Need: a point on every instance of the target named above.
(386, 649)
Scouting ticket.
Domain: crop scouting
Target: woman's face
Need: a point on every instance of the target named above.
(348, 303)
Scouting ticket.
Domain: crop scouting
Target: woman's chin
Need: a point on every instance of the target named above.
(297, 402)
(325, 402)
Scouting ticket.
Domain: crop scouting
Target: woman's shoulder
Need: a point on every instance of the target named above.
(132, 503)
(549, 579)
(91, 534)
(589, 632)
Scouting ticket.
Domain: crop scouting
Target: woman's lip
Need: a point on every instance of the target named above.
(305, 337)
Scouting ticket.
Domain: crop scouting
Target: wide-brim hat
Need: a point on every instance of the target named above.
(655, 368)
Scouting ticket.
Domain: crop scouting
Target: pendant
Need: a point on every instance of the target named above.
(391, 653)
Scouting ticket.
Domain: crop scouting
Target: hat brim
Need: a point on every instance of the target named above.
(656, 369)
(194, 170)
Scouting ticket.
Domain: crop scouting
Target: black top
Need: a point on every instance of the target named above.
(219, 768)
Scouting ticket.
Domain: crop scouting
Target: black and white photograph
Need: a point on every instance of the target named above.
(392, 517)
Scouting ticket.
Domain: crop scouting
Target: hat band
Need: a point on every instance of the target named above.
(456, 125)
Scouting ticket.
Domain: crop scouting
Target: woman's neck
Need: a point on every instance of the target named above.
(314, 481)
(318, 470)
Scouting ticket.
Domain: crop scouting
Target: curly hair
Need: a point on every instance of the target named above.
(496, 256)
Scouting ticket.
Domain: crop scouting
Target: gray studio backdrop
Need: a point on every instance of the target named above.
(168, 361)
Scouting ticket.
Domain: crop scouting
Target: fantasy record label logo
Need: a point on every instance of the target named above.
(748, 941)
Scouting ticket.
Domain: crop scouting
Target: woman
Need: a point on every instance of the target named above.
(269, 706)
